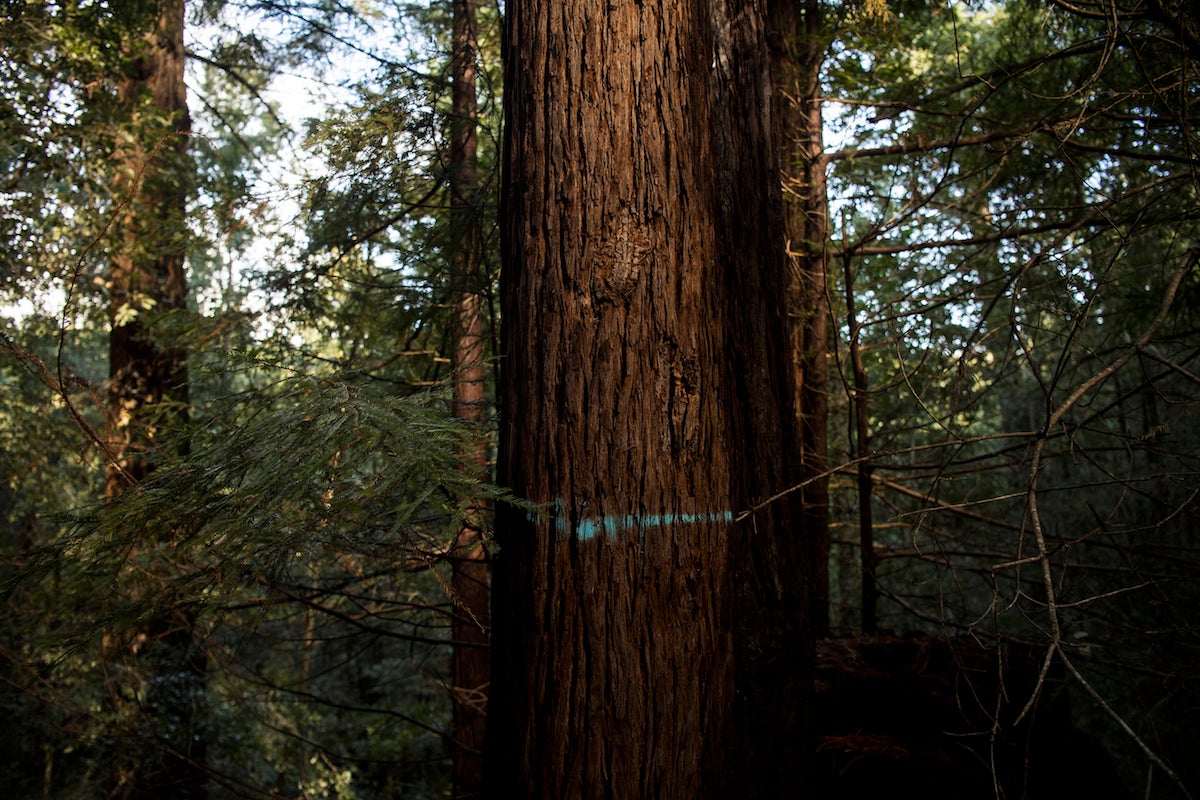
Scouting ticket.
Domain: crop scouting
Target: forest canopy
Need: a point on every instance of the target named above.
(265, 264)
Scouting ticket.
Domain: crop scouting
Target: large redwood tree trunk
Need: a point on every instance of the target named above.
(649, 636)
(469, 569)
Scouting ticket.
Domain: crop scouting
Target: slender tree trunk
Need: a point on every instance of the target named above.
(649, 638)
(469, 570)
(859, 394)
(147, 396)
(797, 54)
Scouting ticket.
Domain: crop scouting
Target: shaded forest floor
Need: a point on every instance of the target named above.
(937, 718)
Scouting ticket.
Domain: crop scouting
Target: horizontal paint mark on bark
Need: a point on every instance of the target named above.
(612, 525)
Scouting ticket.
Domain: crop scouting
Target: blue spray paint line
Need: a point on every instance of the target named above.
(611, 525)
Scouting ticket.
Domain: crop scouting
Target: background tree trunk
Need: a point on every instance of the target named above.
(797, 52)
(146, 272)
(469, 570)
(646, 630)
(859, 399)
(147, 398)
(773, 642)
